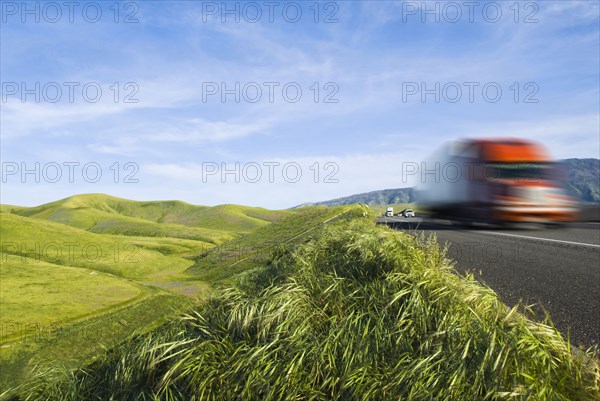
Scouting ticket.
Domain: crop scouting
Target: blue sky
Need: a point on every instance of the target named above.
(170, 136)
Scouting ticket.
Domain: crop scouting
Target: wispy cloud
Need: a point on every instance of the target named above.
(369, 54)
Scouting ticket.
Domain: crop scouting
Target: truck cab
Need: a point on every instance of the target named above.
(502, 180)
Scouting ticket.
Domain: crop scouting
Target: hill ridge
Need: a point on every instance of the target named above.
(172, 218)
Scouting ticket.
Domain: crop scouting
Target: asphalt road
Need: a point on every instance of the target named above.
(557, 270)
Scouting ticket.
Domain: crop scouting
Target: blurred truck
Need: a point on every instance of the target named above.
(496, 181)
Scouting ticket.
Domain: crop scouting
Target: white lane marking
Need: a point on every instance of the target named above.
(542, 239)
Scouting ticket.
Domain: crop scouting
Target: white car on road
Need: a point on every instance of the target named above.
(407, 213)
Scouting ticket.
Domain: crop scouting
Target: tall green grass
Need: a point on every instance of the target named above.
(223, 263)
(71, 344)
(358, 313)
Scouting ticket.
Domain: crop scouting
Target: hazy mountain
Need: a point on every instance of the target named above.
(583, 183)
(382, 197)
(584, 179)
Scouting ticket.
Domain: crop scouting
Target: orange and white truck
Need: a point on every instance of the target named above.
(495, 180)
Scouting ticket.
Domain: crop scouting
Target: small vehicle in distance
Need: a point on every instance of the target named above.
(407, 213)
(389, 212)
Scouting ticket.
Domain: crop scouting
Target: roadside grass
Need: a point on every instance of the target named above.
(359, 312)
(58, 262)
(223, 263)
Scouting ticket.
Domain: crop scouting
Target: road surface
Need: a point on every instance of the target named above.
(556, 269)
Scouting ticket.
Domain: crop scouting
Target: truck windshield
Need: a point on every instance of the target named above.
(517, 171)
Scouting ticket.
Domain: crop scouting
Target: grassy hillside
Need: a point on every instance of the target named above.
(86, 272)
(358, 313)
(75, 292)
(59, 281)
(10, 208)
(75, 343)
(235, 218)
(224, 262)
(166, 245)
(64, 245)
(107, 214)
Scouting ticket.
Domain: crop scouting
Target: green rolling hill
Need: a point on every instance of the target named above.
(355, 312)
(223, 263)
(106, 214)
(106, 267)
(51, 242)
(131, 239)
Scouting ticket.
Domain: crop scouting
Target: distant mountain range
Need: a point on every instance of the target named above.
(584, 179)
(583, 183)
(381, 197)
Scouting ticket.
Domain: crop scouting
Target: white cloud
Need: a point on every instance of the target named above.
(565, 137)
(171, 53)
(200, 130)
(321, 178)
